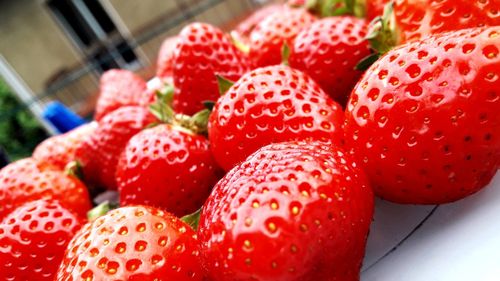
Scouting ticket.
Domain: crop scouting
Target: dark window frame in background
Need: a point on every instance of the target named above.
(92, 31)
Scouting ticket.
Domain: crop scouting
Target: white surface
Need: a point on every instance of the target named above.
(458, 242)
(391, 224)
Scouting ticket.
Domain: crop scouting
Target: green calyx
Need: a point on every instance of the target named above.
(162, 108)
(224, 84)
(192, 219)
(100, 210)
(330, 8)
(285, 54)
(238, 43)
(382, 37)
(197, 124)
(75, 169)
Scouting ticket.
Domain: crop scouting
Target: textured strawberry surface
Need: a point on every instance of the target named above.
(424, 119)
(133, 243)
(26, 180)
(33, 239)
(167, 167)
(271, 104)
(291, 211)
(203, 51)
(329, 51)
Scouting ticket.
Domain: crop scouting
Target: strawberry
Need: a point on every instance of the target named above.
(409, 20)
(291, 211)
(33, 239)
(99, 154)
(118, 87)
(269, 36)
(27, 180)
(243, 30)
(165, 61)
(424, 118)
(270, 104)
(133, 243)
(329, 51)
(203, 51)
(59, 150)
(167, 166)
(374, 8)
(417, 19)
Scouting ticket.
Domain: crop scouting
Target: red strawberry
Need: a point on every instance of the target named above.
(60, 150)
(33, 239)
(270, 104)
(165, 61)
(118, 87)
(291, 211)
(329, 51)
(374, 8)
(133, 243)
(203, 52)
(169, 167)
(99, 154)
(424, 119)
(26, 180)
(269, 36)
(245, 27)
(417, 19)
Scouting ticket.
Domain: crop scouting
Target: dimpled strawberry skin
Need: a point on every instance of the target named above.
(424, 119)
(99, 154)
(268, 37)
(118, 87)
(168, 168)
(329, 51)
(26, 180)
(132, 243)
(59, 150)
(291, 211)
(33, 239)
(418, 19)
(203, 51)
(271, 104)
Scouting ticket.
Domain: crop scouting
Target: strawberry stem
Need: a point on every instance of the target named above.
(74, 168)
(193, 219)
(224, 84)
(100, 210)
(238, 43)
(162, 109)
(285, 54)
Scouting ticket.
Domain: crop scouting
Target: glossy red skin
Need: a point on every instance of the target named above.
(270, 104)
(133, 243)
(167, 167)
(99, 154)
(27, 180)
(165, 60)
(329, 51)
(417, 19)
(245, 27)
(268, 37)
(33, 239)
(203, 51)
(59, 150)
(118, 87)
(291, 211)
(374, 8)
(424, 119)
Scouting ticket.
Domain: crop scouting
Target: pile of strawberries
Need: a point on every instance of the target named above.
(269, 143)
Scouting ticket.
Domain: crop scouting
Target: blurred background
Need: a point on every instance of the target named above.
(57, 49)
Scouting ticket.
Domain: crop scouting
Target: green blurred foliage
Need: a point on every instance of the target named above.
(20, 132)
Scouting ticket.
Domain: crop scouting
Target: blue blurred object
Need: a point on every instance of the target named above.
(61, 117)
